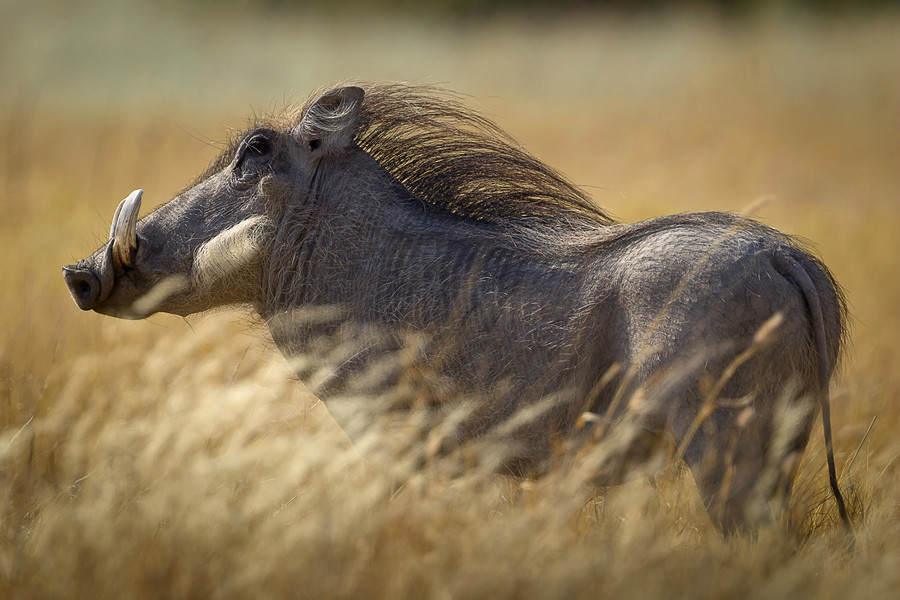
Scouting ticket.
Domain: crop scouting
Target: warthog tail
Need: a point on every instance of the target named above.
(791, 268)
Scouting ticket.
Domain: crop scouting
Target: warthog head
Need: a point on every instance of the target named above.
(208, 246)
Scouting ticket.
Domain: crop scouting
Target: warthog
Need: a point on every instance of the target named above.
(394, 209)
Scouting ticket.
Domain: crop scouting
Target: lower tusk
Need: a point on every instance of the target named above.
(115, 220)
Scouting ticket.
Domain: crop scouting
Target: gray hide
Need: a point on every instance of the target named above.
(391, 225)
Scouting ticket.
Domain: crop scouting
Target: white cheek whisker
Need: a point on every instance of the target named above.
(229, 254)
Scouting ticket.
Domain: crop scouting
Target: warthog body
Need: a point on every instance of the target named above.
(403, 215)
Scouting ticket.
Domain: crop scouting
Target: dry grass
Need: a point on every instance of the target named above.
(179, 459)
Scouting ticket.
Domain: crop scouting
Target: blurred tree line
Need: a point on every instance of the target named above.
(473, 7)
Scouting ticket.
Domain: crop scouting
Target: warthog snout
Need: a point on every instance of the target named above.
(90, 281)
(83, 285)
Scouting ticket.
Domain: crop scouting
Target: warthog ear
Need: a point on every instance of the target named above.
(330, 120)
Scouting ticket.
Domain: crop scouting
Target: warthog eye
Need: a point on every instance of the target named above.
(258, 144)
(247, 161)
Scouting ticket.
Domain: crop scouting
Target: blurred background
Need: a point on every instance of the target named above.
(789, 109)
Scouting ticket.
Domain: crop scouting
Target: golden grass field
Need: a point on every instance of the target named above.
(173, 458)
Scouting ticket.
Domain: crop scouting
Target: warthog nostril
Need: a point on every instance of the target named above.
(82, 289)
(83, 285)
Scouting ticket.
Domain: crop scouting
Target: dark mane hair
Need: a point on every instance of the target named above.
(455, 159)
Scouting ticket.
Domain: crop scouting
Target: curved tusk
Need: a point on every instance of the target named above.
(124, 228)
(112, 227)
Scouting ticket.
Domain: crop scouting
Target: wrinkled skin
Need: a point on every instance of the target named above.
(301, 218)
